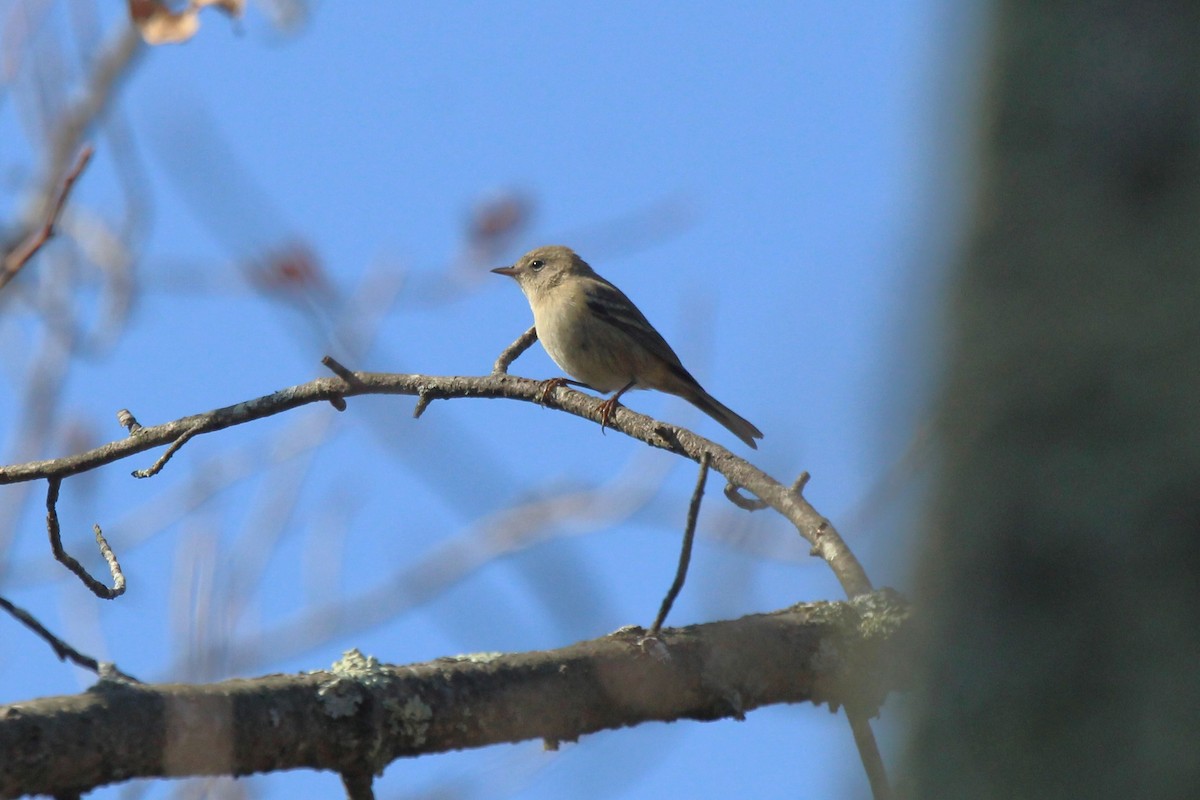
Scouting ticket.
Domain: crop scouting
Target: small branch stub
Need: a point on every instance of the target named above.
(735, 496)
(423, 400)
(337, 368)
(127, 421)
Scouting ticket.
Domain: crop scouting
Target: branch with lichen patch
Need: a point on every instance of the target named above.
(361, 715)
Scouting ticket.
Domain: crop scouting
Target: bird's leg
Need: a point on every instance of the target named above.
(607, 407)
(551, 384)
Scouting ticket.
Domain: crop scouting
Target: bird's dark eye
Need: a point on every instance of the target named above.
(536, 264)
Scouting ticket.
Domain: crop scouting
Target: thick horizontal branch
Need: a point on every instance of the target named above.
(361, 715)
(825, 540)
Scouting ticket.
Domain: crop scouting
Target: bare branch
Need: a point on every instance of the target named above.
(21, 254)
(322, 720)
(63, 557)
(823, 537)
(685, 553)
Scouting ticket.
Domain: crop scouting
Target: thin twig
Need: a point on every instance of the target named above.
(157, 466)
(510, 353)
(800, 483)
(868, 751)
(685, 553)
(61, 649)
(97, 588)
(26, 250)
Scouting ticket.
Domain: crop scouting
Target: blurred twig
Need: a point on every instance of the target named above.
(493, 536)
(21, 254)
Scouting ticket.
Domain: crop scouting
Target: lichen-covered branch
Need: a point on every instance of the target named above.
(362, 715)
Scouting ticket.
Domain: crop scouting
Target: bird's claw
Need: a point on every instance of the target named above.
(606, 409)
(548, 387)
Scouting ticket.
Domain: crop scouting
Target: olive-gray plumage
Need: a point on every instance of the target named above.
(600, 338)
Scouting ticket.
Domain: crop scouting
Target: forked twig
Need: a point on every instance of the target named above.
(63, 557)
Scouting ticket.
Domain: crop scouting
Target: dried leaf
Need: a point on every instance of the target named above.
(160, 25)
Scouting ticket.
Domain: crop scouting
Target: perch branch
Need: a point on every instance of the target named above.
(824, 538)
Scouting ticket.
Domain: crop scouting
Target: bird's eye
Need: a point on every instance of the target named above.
(536, 264)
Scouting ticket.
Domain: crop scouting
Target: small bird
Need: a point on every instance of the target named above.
(598, 336)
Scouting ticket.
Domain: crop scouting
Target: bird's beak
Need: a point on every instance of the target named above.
(509, 271)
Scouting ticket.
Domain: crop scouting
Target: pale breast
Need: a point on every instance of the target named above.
(587, 349)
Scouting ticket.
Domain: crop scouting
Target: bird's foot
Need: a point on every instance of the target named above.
(548, 387)
(606, 408)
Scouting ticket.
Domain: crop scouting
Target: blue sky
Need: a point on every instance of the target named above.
(777, 188)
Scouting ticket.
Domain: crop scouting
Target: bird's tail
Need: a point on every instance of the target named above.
(737, 425)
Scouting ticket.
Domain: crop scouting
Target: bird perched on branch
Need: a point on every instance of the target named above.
(598, 336)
